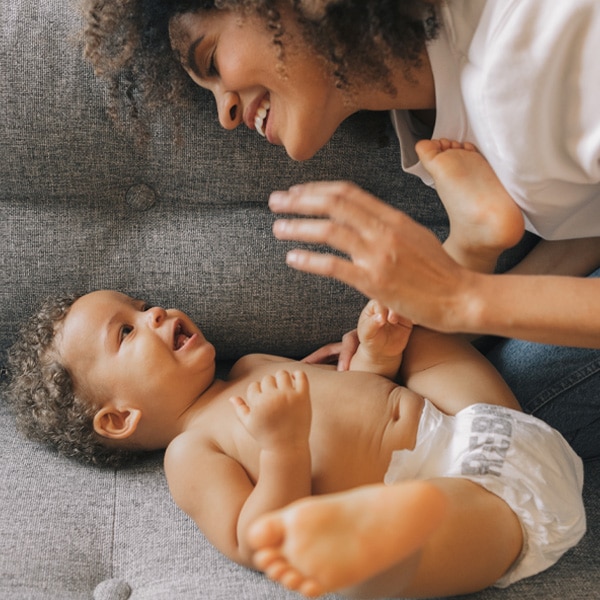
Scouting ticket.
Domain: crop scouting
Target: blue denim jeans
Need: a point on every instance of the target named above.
(557, 384)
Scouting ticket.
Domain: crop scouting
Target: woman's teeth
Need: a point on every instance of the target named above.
(261, 114)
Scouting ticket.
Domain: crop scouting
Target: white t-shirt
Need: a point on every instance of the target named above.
(521, 80)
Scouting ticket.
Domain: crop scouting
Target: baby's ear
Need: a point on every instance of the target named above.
(116, 424)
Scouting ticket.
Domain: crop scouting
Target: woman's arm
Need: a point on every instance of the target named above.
(402, 264)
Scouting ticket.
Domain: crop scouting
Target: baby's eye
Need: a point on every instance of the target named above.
(125, 331)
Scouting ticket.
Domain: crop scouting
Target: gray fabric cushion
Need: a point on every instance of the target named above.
(83, 207)
(72, 533)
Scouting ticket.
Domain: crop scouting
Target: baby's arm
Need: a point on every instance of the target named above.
(277, 414)
(219, 493)
(382, 337)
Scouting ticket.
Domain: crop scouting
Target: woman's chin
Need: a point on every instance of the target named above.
(300, 153)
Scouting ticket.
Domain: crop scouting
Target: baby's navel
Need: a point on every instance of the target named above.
(405, 414)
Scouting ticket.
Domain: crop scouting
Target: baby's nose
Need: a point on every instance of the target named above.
(156, 315)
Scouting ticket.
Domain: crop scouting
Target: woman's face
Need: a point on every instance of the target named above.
(289, 100)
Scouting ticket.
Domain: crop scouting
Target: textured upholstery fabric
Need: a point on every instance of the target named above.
(92, 209)
(83, 207)
(73, 533)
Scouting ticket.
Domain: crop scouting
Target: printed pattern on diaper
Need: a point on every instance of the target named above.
(489, 441)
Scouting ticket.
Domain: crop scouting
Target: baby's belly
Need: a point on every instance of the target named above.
(402, 427)
(350, 453)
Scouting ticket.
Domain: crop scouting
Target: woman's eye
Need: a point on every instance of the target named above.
(212, 67)
(125, 331)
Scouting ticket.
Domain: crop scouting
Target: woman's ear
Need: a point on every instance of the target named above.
(116, 424)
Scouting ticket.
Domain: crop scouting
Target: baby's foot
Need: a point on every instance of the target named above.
(484, 219)
(327, 543)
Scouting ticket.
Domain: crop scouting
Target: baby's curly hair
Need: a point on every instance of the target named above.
(42, 394)
(127, 41)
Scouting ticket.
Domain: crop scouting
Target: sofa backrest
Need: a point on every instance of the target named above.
(82, 206)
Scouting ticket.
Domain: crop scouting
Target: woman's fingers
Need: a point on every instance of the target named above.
(328, 265)
(343, 202)
(317, 231)
(352, 221)
(327, 354)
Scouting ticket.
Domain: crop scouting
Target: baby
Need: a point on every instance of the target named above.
(435, 487)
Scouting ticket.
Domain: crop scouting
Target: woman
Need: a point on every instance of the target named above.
(516, 78)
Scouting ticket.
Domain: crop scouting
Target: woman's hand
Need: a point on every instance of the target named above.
(337, 352)
(390, 257)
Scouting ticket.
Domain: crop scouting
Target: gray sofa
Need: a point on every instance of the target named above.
(82, 207)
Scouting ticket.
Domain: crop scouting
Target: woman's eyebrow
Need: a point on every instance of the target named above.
(191, 57)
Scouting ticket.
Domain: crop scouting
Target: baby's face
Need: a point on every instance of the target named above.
(121, 350)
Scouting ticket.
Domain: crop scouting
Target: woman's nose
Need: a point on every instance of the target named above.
(156, 316)
(229, 109)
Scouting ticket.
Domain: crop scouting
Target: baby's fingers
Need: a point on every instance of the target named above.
(372, 319)
(241, 408)
(299, 381)
(284, 380)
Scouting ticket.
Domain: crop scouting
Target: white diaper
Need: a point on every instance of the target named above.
(516, 456)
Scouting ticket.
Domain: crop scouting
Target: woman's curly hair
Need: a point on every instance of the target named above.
(127, 41)
(42, 394)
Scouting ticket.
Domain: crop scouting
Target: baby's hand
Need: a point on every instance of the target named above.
(381, 332)
(277, 410)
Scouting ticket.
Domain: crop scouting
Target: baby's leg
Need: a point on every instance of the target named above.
(484, 219)
(326, 543)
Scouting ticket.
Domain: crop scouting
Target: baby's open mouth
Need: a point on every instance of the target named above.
(261, 115)
(180, 336)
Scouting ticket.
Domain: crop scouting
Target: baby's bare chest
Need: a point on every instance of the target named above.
(357, 421)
